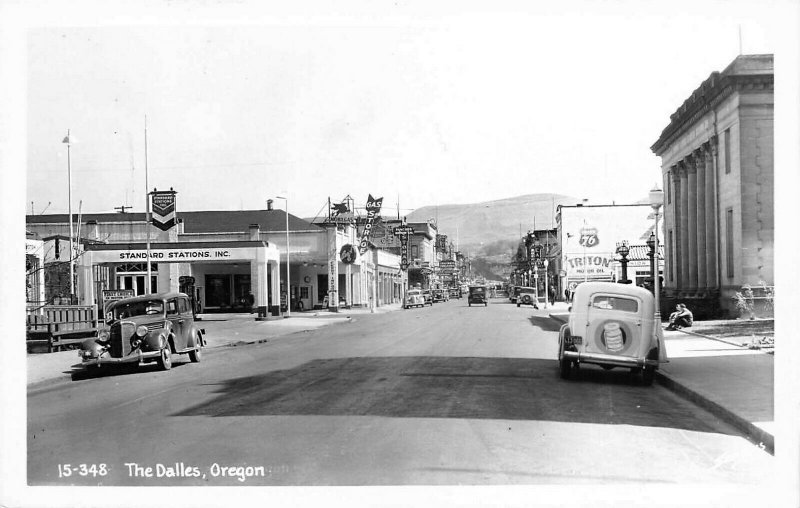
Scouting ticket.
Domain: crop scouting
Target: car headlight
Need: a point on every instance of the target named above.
(141, 331)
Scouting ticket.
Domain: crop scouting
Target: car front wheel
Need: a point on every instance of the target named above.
(165, 360)
(196, 355)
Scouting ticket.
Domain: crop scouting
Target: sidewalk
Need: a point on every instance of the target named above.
(721, 375)
(222, 330)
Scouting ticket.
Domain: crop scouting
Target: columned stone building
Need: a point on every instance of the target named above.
(718, 179)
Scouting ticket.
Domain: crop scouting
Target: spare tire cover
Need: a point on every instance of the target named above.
(615, 337)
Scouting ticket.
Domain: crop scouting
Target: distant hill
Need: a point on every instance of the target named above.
(491, 221)
(490, 231)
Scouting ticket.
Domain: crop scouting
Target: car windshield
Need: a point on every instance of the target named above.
(615, 303)
(414, 292)
(476, 290)
(139, 308)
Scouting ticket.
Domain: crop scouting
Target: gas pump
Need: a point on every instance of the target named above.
(186, 286)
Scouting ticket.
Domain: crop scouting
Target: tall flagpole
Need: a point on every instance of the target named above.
(147, 209)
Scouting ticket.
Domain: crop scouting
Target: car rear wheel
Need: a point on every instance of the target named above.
(648, 375)
(165, 360)
(565, 367)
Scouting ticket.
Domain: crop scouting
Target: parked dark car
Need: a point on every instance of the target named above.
(526, 296)
(428, 297)
(440, 295)
(455, 293)
(145, 329)
(477, 295)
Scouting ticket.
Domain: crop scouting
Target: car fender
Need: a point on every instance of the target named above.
(196, 331)
(156, 339)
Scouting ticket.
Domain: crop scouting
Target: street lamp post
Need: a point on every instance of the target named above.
(288, 278)
(68, 142)
(651, 246)
(656, 201)
(546, 278)
(623, 250)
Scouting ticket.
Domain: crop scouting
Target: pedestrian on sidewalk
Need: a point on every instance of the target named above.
(552, 295)
(681, 318)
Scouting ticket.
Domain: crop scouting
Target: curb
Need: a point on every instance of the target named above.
(753, 433)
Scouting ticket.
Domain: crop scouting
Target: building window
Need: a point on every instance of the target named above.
(672, 258)
(727, 151)
(729, 241)
(667, 186)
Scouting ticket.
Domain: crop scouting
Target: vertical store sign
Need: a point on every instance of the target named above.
(373, 212)
(403, 232)
(164, 209)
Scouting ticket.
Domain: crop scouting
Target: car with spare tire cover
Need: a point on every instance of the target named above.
(526, 296)
(612, 325)
(145, 329)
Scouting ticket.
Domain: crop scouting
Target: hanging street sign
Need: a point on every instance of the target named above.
(373, 213)
(347, 254)
(163, 206)
(403, 230)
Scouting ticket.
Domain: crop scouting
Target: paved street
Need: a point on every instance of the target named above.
(444, 395)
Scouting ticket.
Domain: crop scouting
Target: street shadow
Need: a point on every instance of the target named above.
(78, 372)
(453, 387)
(547, 324)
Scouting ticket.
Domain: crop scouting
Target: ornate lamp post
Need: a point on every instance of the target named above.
(656, 201)
(623, 250)
(651, 249)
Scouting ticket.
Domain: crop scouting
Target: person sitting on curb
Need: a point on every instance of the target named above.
(681, 318)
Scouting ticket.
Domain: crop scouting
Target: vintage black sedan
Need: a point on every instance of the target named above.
(145, 329)
(477, 295)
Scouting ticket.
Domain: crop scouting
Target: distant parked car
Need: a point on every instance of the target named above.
(428, 296)
(145, 329)
(526, 296)
(414, 298)
(440, 295)
(612, 325)
(455, 293)
(477, 295)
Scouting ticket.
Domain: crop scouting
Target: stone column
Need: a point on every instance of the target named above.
(711, 226)
(700, 163)
(691, 202)
(674, 255)
(683, 248)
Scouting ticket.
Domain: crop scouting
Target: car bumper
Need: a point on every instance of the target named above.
(133, 357)
(603, 359)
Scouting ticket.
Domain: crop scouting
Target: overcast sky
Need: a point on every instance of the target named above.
(442, 105)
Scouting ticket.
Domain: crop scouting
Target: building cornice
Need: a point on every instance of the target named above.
(714, 90)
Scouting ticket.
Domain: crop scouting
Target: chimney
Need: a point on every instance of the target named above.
(269, 204)
(255, 231)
